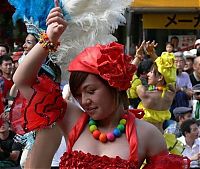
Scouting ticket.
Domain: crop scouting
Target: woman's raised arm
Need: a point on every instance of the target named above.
(27, 71)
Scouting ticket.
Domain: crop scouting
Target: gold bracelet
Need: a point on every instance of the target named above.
(47, 44)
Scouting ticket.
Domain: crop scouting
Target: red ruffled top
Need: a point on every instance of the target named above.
(44, 108)
(167, 161)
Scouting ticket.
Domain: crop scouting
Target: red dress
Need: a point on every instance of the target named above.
(80, 160)
(47, 105)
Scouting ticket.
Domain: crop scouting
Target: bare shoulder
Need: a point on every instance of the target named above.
(151, 138)
(147, 128)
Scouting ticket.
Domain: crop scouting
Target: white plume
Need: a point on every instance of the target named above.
(92, 22)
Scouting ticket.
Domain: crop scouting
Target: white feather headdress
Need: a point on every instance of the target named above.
(92, 22)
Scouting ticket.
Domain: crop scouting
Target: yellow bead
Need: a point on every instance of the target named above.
(122, 121)
(92, 128)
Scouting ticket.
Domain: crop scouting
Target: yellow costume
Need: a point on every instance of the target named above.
(131, 92)
(173, 145)
(167, 68)
(155, 116)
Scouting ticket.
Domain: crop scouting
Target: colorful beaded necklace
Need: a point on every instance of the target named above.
(152, 88)
(117, 132)
(159, 88)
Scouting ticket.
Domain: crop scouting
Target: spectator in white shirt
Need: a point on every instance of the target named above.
(191, 141)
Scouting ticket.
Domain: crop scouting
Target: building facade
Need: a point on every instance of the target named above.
(161, 20)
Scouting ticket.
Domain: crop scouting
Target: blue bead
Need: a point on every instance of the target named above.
(117, 132)
(92, 122)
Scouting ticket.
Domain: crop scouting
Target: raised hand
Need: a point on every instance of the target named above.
(139, 51)
(139, 54)
(150, 47)
(56, 23)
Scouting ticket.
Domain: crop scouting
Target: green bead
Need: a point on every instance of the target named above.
(121, 127)
(92, 122)
(150, 88)
(122, 121)
(92, 128)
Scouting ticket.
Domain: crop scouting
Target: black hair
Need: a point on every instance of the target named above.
(35, 36)
(5, 58)
(6, 47)
(175, 37)
(169, 43)
(185, 126)
(144, 67)
(198, 52)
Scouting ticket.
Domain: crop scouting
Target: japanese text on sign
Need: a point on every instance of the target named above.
(171, 21)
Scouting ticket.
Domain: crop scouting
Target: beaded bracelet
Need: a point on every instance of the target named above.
(47, 44)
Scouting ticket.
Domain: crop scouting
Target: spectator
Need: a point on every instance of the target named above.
(175, 41)
(195, 102)
(169, 47)
(195, 76)
(16, 56)
(4, 49)
(6, 79)
(10, 151)
(183, 85)
(189, 60)
(181, 114)
(191, 141)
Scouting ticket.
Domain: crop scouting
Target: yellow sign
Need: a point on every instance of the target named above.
(166, 3)
(171, 21)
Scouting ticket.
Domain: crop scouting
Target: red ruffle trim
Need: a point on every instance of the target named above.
(44, 108)
(80, 160)
(139, 113)
(167, 161)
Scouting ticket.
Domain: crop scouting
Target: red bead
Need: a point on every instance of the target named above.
(96, 134)
(103, 138)
(124, 116)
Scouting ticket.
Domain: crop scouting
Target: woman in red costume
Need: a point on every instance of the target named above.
(105, 134)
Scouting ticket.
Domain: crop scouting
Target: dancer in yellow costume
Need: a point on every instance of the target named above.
(157, 98)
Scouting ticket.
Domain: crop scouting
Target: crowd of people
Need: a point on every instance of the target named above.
(117, 111)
